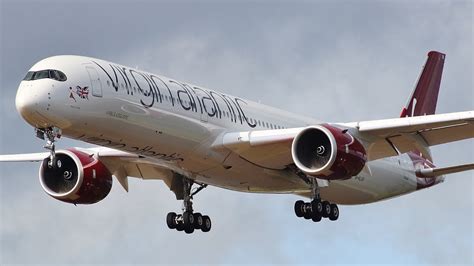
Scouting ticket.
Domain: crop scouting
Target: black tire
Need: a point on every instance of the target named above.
(334, 213)
(316, 217)
(299, 211)
(317, 207)
(198, 222)
(180, 227)
(326, 209)
(307, 211)
(188, 219)
(189, 229)
(171, 220)
(206, 224)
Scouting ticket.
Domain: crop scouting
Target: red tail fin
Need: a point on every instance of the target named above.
(424, 97)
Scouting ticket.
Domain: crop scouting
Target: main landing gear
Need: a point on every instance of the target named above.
(50, 134)
(188, 221)
(316, 209)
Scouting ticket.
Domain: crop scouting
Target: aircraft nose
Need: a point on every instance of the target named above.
(30, 103)
(25, 101)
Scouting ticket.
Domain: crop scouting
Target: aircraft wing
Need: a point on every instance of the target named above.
(26, 157)
(390, 137)
(120, 164)
(383, 138)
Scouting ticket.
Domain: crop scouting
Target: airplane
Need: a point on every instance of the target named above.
(153, 127)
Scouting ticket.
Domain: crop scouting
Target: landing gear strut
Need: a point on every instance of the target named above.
(316, 209)
(50, 134)
(189, 221)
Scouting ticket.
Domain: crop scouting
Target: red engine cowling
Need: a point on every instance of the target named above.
(76, 178)
(328, 152)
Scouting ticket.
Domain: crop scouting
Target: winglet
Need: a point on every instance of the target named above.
(425, 96)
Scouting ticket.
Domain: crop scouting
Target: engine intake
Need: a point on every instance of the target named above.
(75, 178)
(328, 152)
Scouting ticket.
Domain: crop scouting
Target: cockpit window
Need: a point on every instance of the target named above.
(61, 75)
(29, 75)
(45, 74)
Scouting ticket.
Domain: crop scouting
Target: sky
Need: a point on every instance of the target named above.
(337, 61)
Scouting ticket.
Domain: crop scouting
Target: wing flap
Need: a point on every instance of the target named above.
(448, 134)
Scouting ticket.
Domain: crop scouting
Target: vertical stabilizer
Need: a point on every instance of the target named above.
(425, 96)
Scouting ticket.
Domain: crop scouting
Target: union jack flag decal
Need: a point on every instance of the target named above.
(82, 92)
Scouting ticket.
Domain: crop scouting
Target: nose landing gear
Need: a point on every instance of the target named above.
(50, 134)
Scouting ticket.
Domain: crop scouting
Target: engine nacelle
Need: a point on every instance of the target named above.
(76, 178)
(328, 152)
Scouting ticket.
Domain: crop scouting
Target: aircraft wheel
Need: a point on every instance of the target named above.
(198, 222)
(334, 212)
(317, 207)
(171, 220)
(180, 227)
(189, 229)
(316, 217)
(188, 219)
(326, 209)
(206, 225)
(299, 208)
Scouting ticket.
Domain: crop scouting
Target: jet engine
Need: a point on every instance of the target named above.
(75, 177)
(328, 152)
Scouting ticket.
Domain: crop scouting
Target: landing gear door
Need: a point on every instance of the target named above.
(95, 81)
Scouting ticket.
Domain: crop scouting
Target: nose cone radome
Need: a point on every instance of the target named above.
(25, 101)
(31, 104)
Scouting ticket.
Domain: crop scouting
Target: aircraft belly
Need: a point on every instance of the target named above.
(380, 179)
(239, 174)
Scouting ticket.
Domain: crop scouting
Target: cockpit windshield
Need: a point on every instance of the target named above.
(46, 74)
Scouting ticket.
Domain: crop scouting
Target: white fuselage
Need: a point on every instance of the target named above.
(175, 123)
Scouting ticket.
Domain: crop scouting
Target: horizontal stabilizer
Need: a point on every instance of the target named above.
(433, 172)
